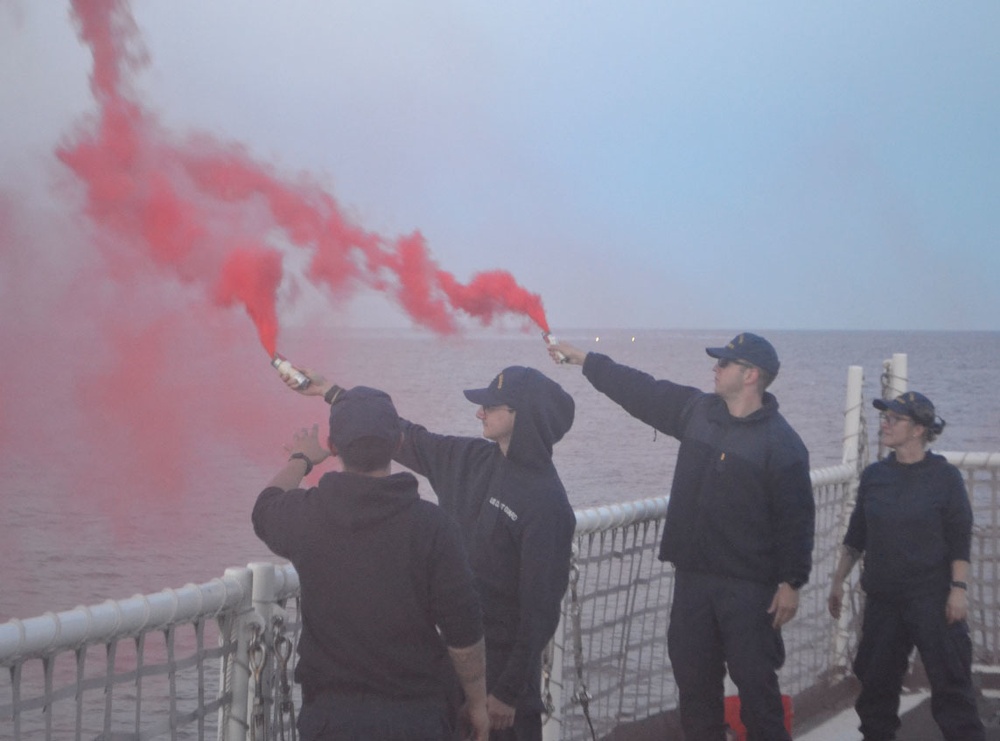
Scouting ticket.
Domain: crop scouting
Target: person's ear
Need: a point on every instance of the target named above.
(332, 447)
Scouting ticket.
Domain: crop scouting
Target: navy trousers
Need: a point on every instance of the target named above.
(718, 622)
(366, 717)
(890, 629)
(527, 727)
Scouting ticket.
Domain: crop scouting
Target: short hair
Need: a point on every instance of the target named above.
(366, 454)
(765, 378)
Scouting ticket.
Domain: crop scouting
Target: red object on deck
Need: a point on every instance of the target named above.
(733, 716)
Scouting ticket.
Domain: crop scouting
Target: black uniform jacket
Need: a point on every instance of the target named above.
(518, 526)
(741, 503)
(911, 521)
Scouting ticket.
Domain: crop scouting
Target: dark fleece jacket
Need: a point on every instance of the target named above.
(911, 521)
(741, 503)
(518, 526)
(380, 571)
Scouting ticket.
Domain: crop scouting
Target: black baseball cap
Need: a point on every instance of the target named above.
(363, 412)
(911, 404)
(750, 348)
(508, 388)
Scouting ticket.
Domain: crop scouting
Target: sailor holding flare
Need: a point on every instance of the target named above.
(739, 527)
(511, 506)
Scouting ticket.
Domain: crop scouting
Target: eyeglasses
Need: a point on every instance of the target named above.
(891, 419)
(726, 362)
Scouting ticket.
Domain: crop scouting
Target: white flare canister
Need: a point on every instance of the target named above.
(550, 339)
(285, 368)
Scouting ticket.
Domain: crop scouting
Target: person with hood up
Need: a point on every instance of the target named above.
(739, 528)
(386, 587)
(506, 495)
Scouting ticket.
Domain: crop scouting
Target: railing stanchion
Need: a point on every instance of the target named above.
(235, 669)
(855, 455)
(552, 730)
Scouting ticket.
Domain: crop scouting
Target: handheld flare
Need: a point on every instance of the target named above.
(550, 339)
(287, 369)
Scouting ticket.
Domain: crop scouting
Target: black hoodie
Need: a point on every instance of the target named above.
(518, 526)
(380, 571)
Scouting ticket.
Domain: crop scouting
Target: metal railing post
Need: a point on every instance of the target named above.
(895, 378)
(853, 456)
(853, 414)
(899, 378)
(552, 730)
(264, 596)
(233, 722)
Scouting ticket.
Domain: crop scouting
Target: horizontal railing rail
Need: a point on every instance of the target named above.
(69, 630)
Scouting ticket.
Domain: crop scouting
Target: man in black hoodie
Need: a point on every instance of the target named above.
(386, 587)
(505, 494)
(739, 528)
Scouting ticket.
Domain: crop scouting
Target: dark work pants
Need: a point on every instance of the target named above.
(717, 622)
(891, 627)
(527, 727)
(364, 717)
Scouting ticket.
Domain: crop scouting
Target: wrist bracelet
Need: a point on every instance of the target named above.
(302, 457)
(959, 584)
(331, 395)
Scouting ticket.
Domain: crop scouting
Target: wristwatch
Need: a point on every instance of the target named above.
(959, 584)
(302, 457)
(795, 583)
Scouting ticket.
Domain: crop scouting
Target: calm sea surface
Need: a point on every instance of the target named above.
(64, 546)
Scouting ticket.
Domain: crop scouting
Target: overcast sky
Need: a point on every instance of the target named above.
(785, 165)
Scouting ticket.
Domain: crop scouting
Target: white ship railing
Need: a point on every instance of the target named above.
(180, 664)
(215, 660)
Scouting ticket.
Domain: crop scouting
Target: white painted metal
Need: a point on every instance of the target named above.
(54, 632)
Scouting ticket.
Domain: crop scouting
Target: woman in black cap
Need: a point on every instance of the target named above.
(913, 524)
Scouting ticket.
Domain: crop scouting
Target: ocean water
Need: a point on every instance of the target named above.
(63, 546)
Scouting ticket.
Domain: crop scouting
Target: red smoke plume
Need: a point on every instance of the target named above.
(129, 390)
(203, 209)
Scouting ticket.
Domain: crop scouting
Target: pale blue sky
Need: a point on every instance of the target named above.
(800, 165)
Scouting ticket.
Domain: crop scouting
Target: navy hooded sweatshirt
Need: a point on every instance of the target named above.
(518, 527)
(380, 570)
(911, 521)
